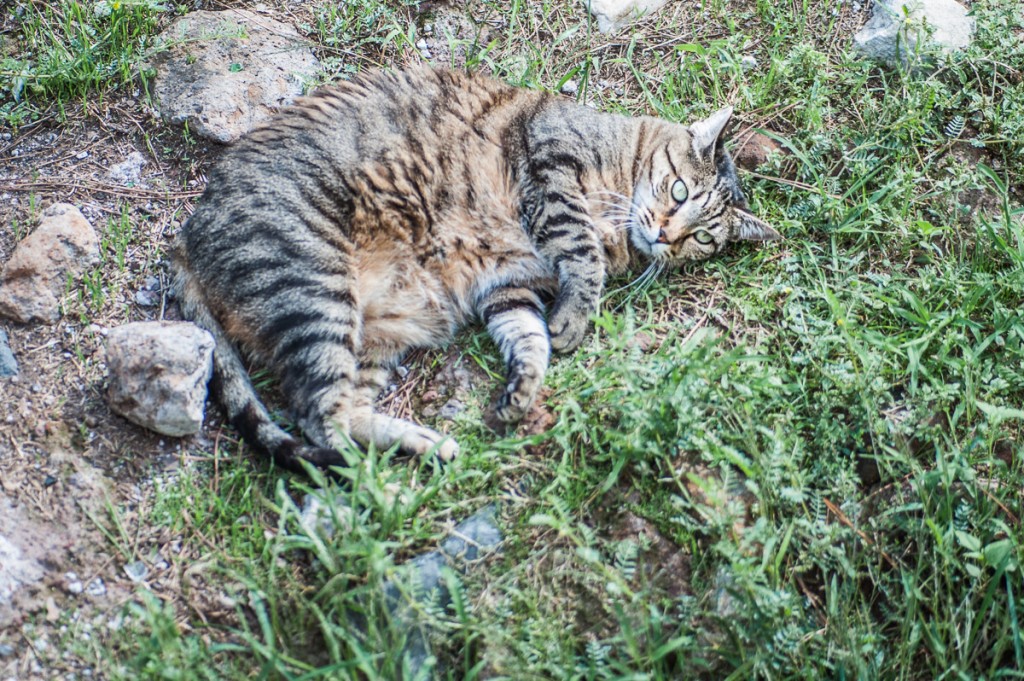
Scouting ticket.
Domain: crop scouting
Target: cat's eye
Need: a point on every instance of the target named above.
(703, 237)
(679, 191)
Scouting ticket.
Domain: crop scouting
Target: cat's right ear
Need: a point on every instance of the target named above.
(753, 228)
(707, 133)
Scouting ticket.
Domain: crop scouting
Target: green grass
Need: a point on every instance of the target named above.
(828, 430)
(73, 50)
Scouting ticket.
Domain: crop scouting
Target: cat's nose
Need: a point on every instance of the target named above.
(662, 237)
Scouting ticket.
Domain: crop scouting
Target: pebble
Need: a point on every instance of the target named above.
(136, 571)
(96, 587)
(6, 650)
(748, 63)
(570, 87)
(424, 47)
(451, 409)
(8, 364)
(401, 371)
(82, 155)
(73, 584)
(147, 298)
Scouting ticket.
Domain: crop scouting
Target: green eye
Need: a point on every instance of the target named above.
(679, 191)
(703, 237)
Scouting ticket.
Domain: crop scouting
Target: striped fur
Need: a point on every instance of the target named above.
(383, 214)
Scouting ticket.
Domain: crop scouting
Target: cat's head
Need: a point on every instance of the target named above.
(687, 203)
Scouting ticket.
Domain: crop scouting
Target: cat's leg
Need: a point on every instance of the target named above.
(566, 237)
(515, 319)
(369, 427)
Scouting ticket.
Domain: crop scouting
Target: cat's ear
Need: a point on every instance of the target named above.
(708, 132)
(753, 228)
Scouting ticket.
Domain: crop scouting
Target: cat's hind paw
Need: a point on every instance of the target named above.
(418, 441)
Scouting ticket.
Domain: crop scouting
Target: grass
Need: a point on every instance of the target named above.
(826, 434)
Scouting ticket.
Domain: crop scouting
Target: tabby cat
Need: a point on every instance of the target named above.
(382, 214)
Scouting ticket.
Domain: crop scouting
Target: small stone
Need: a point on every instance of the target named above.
(158, 373)
(8, 364)
(451, 409)
(129, 171)
(748, 63)
(49, 481)
(64, 245)
(136, 571)
(147, 298)
(82, 155)
(402, 371)
(6, 650)
(73, 584)
(570, 87)
(96, 588)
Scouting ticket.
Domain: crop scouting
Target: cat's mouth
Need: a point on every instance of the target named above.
(647, 241)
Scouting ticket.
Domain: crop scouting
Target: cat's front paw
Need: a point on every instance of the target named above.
(519, 394)
(567, 328)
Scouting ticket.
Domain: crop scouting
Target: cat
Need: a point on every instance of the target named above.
(382, 214)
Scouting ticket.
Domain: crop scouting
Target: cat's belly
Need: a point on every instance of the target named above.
(408, 302)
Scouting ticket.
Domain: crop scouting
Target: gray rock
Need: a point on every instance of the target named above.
(611, 15)
(420, 582)
(224, 72)
(33, 280)
(157, 374)
(897, 27)
(8, 365)
(129, 171)
(451, 409)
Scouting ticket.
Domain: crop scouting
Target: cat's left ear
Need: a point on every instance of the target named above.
(753, 228)
(708, 132)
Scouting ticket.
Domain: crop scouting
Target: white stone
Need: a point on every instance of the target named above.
(129, 171)
(157, 374)
(222, 73)
(63, 245)
(896, 27)
(611, 15)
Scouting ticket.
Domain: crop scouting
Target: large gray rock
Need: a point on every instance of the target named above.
(157, 374)
(611, 15)
(33, 280)
(224, 72)
(421, 581)
(897, 27)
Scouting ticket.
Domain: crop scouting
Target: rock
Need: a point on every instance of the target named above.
(570, 87)
(8, 365)
(611, 15)
(896, 27)
(421, 581)
(129, 171)
(73, 584)
(451, 409)
(33, 280)
(224, 72)
(754, 150)
(158, 373)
